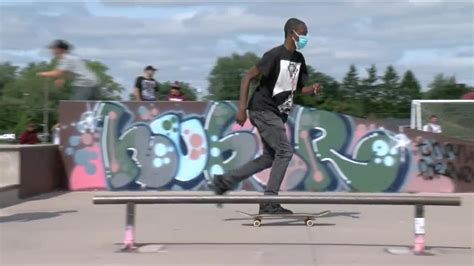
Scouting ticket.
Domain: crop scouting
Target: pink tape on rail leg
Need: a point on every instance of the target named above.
(419, 244)
(129, 240)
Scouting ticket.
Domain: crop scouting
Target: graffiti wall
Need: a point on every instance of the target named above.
(181, 146)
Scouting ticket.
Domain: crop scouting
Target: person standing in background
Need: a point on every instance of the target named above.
(55, 130)
(468, 96)
(84, 82)
(433, 125)
(146, 86)
(175, 94)
(29, 136)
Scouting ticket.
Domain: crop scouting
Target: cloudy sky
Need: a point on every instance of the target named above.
(184, 38)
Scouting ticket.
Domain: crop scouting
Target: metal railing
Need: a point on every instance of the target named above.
(419, 201)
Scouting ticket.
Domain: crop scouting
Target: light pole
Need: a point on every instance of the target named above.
(45, 114)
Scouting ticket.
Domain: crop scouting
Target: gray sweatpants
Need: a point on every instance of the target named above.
(277, 152)
(83, 93)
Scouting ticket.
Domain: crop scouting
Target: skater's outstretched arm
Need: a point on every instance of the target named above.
(315, 88)
(56, 73)
(244, 93)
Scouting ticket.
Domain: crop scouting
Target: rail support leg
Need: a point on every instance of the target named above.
(129, 239)
(419, 247)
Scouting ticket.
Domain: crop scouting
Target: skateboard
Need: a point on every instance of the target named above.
(307, 217)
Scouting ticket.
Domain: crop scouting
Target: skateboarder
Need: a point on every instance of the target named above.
(85, 83)
(283, 72)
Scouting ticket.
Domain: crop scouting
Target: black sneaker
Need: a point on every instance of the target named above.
(273, 209)
(221, 185)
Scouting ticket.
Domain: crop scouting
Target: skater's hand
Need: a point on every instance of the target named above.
(241, 117)
(313, 89)
(316, 88)
(42, 74)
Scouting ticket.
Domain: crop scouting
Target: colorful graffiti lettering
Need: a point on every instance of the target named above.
(133, 146)
(324, 140)
(451, 160)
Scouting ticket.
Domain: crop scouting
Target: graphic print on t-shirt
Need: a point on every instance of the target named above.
(148, 89)
(287, 82)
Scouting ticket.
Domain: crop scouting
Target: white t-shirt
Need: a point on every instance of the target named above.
(430, 127)
(82, 76)
(55, 136)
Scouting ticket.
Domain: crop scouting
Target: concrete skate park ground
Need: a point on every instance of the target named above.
(66, 229)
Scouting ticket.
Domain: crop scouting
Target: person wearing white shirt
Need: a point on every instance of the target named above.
(85, 83)
(433, 125)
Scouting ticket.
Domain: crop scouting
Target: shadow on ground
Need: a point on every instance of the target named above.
(407, 250)
(292, 244)
(32, 216)
(44, 196)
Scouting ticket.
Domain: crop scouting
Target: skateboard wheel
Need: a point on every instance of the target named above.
(309, 222)
(257, 223)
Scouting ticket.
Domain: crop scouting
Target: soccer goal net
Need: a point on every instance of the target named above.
(456, 117)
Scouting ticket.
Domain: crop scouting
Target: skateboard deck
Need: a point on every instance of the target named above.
(307, 217)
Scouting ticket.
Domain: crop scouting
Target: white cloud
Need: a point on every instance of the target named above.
(22, 56)
(351, 55)
(183, 39)
(185, 15)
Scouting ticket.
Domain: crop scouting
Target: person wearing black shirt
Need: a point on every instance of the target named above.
(145, 86)
(283, 73)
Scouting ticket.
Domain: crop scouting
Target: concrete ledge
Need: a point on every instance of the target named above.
(17, 147)
(33, 169)
(9, 187)
(9, 195)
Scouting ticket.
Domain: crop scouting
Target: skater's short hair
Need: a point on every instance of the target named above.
(61, 44)
(291, 25)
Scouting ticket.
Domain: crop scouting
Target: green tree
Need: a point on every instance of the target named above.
(108, 88)
(410, 85)
(390, 79)
(409, 89)
(186, 89)
(391, 99)
(225, 77)
(445, 88)
(350, 82)
(326, 99)
(369, 93)
(7, 74)
(351, 93)
(23, 99)
(371, 76)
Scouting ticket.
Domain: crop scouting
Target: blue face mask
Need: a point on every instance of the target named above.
(302, 41)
